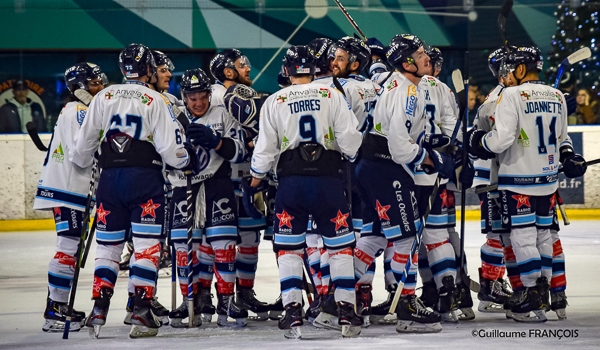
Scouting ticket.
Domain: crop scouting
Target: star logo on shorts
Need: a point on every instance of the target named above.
(101, 214)
(340, 220)
(285, 219)
(56, 211)
(446, 199)
(522, 200)
(382, 210)
(149, 208)
(552, 201)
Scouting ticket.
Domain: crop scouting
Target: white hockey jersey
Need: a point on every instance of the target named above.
(136, 110)
(217, 96)
(218, 119)
(531, 124)
(396, 110)
(440, 109)
(486, 171)
(62, 183)
(303, 113)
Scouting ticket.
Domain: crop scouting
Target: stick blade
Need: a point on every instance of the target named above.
(579, 55)
(84, 96)
(504, 11)
(33, 134)
(457, 81)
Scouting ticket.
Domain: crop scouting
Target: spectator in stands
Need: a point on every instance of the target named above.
(587, 108)
(20, 110)
(474, 100)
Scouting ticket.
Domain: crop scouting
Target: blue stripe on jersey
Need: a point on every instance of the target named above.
(143, 273)
(62, 196)
(245, 222)
(523, 219)
(181, 234)
(492, 259)
(221, 231)
(483, 224)
(356, 223)
(367, 228)
(527, 180)
(437, 220)
(339, 241)
(442, 266)
(392, 232)
(482, 173)
(290, 283)
(289, 239)
(543, 220)
(62, 226)
(344, 282)
(110, 236)
(146, 229)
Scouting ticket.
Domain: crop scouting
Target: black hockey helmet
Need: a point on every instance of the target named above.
(435, 57)
(194, 80)
(282, 79)
(78, 76)
(530, 56)
(376, 47)
(134, 60)
(226, 59)
(402, 46)
(321, 47)
(160, 58)
(299, 60)
(495, 60)
(356, 49)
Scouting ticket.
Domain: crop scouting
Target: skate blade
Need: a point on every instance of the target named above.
(164, 320)
(275, 315)
(293, 333)
(562, 314)
(490, 307)
(450, 317)
(366, 321)
(383, 320)
(95, 331)
(415, 327)
(54, 326)
(327, 321)
(224, 322)
(351, 331)
(127, 319)
(207, 318)
(260, 316)
(466, 314)
(179, 323)
(142, 332)
(538, 316)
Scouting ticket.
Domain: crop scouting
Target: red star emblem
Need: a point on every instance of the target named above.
(450, 198)
(340, 220)
(285, 219)
(101, 214)
(149, 208)
(553, 201)
(56, 211)
(382, 210)
(522, 200)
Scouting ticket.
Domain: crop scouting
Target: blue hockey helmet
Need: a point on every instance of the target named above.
(78, 76)
(376, 47)
(321, 47)
(356, 49)
(402, 46)
(194, 80)
(226, 59)
(299, 60)
(160, 58)
(495, 60)
(134, 61)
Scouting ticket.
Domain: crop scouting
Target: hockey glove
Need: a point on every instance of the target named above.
(571, 102)
(253, 197)
(433, 141)
(202, 135)
(194, 163)
(475, 147)
(442, 164)
(574, 166)
(467, 173)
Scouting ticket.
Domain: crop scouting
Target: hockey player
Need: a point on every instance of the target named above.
(531, 114)
(127, 118)
(378, 70)
(215, 232)
(304, 130)
(493, 295)
(63, 188)
(228, 67)
(386, 153)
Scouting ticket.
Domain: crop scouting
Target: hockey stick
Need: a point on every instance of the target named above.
(88, 244)
(563, 213)
(579, 55)
(84, 231)
(461, 270)
(504, 12)
(351, 20)
(33, 134)
(190, 252)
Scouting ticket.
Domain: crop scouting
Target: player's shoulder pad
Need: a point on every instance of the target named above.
(357, 77)
(343, 81)
(429, 80)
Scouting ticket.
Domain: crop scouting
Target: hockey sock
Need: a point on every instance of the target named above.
(62, 268)
(106, 267)
(424, 269)
(181, 253)
(147, 255)
(246, 258)
(290, 275)
(544, 246)
(342, 274)
(492, 258)
(224, 266)
(527, 255)
(558, 283)
(388, 254)
(314, 263)
(206, 261)
(401, 253)
(364, 256)
(440, 254)
(325, 271)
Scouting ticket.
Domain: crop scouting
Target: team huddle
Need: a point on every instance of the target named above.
(357, 156)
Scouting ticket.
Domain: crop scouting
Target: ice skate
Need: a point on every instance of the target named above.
(532, 301)
(144, 323)
(129, 309)
(492, 295)
(276, 309)
(227, 307)
(245, 296)
(97, 318)
(328, 317)
(204, 299)
(292, 321)
(351, 322)
(314, 309)
(364, 298)
(465, 303)
(559, 304)
(55, 317)
(414, 317)
(160, 311)
(180, 314)
(125, 257)
(380, 313)
(429, 294)
(448, 304)
(164, 264)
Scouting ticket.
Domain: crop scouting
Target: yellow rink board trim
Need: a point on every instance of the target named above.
(470, 215)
